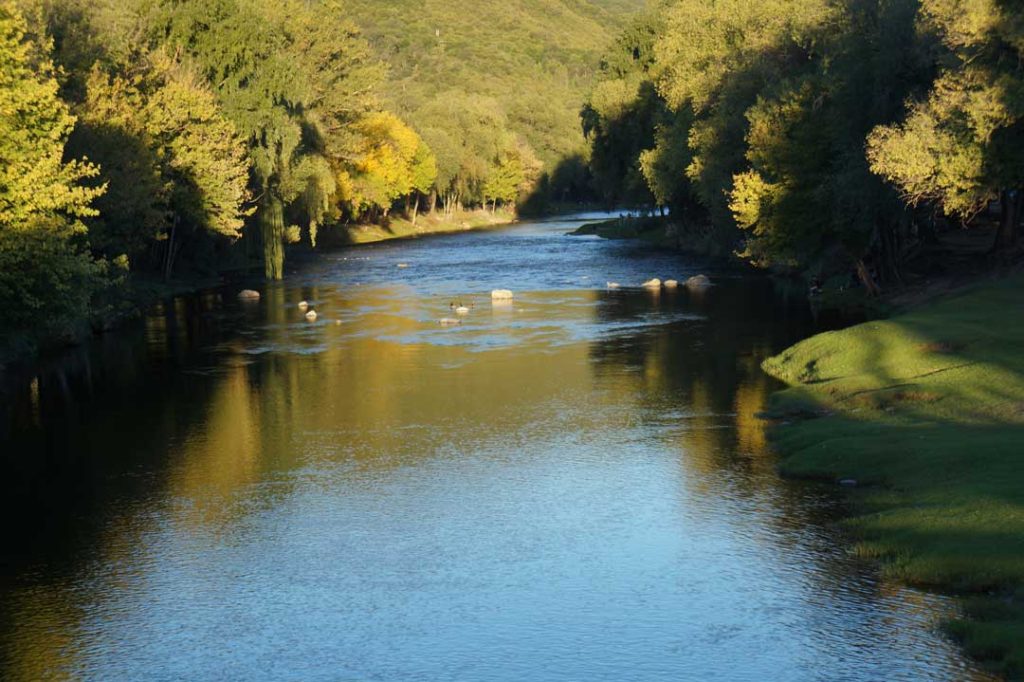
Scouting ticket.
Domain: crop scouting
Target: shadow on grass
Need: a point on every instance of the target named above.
(929, 408)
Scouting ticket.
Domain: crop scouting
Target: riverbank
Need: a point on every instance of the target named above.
(130, 299)
(122, 303)
(425, 224)
(922, 417)
(660, 231)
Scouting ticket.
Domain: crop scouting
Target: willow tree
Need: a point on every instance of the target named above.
(246, 60)
(45, 267)
(960, 146)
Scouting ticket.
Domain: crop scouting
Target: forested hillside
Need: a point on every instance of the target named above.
(521, 67)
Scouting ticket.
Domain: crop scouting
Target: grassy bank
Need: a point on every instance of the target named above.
(650, 229)
(430, 223)
(922, 415)
(663, 232)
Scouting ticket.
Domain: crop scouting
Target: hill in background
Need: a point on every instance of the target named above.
(525, 64)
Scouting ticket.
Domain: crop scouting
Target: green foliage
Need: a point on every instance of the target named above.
(621, 118)
(44, 268)
(511, 175)
(391, 161)
(750, 120)
(960, 145)
(471, 139)
(170, 156)
(295, 79)
(530, 60)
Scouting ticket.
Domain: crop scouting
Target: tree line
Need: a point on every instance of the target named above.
(181, 136)
(817, 136)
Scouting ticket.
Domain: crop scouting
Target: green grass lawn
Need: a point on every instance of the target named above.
(926, 412)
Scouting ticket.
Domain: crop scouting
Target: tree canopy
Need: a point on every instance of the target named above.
(44, 265)
(815, 136)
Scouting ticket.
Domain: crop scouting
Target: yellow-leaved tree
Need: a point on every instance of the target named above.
(391, 162)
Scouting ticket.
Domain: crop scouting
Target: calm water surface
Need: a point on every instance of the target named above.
(573, 487)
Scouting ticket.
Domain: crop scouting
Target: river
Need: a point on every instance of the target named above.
(572, 487)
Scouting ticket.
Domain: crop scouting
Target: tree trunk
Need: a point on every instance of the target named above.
(416, 208)
(889, 261)
(433, 200)
(1009, 220)
(272, 224)
(169, 259)
(864, 275)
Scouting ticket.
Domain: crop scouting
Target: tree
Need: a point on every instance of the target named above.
(45, 268)
(960, 146)
(424, 173)
(175, 163)
(468, 134)
(385, 164)
(511, 175)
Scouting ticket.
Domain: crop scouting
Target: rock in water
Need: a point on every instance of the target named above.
(698, 282)
(613, 285)
(303, 305)
(502, 295)
(311, 316)
(448, 322)
(671, 284)
(652, 284)
(249, 295)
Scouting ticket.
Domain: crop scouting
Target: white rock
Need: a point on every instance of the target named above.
(502, 295)
(403, 266)
(448, 322)
(671, 284)
(698, 281)
(311, 316)
(303, 305)
(462, 310)
(613, 285)
(652, 284)
(249, 295)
